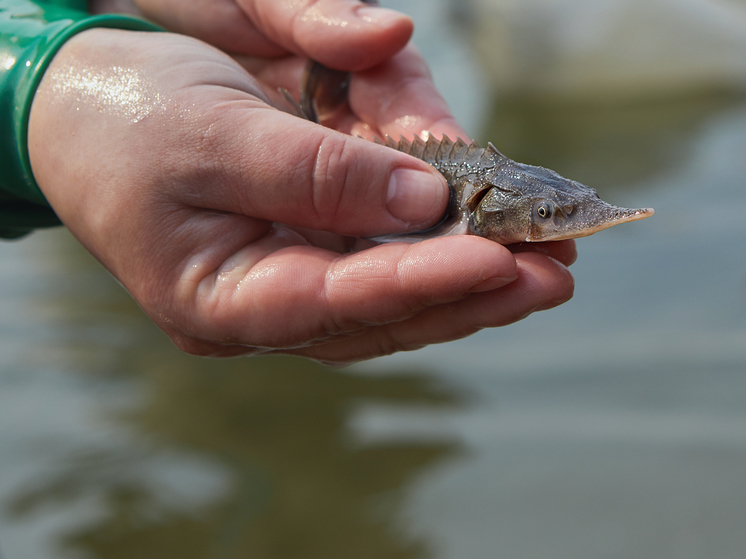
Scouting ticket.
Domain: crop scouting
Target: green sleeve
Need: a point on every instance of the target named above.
(31, 32)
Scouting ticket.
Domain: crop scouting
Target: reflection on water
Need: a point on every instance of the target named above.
(297, 485)
(272, 468)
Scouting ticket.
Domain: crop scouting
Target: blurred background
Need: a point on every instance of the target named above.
(611, 427)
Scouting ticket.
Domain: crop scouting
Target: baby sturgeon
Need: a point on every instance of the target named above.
(491, 195)
(508, 202)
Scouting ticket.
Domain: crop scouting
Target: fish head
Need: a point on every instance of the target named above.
(527, 203)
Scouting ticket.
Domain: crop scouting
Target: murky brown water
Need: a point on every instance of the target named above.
(614, 426)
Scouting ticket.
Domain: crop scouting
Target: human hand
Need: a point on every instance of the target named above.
(273, 29)
(274, 40)
(161, 156)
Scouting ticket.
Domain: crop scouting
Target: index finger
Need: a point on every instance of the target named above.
(398, 97)
(345, 35)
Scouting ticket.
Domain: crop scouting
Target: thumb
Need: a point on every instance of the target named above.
(270, 165)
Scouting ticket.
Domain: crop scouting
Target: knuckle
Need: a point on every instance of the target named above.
(389, 341)
(203, 348)
(333, 178)
(193, 346)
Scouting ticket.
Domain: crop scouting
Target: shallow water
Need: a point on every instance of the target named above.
(613, 426)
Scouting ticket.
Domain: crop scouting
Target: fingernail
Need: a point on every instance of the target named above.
(379, 16)
(415, 197)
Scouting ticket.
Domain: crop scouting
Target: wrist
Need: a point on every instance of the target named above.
(31, 35)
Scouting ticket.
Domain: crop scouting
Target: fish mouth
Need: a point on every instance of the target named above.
(613, 215)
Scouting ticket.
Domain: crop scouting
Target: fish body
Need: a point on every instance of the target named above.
(491, 195)
(494, 197)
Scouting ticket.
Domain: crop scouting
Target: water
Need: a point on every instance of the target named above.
(613, 426)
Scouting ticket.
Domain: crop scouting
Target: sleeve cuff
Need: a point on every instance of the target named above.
(37, 35)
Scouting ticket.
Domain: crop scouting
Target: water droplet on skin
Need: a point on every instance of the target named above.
(120, 92)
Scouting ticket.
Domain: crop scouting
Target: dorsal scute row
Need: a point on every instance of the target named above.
(444, 151)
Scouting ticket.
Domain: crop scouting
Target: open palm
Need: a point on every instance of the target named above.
(230, 221)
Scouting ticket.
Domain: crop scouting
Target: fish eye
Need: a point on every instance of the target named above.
(544, 210)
